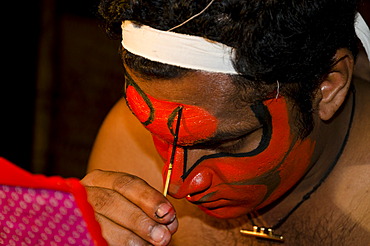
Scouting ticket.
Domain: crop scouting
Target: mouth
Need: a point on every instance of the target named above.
(218, 206)
(222, 208)
(208, 203)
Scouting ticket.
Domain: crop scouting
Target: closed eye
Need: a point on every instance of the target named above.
(232, 145)
(245, 143)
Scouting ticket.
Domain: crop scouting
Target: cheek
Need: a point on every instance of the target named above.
(160, 118)
(293, 168)
(248, 192)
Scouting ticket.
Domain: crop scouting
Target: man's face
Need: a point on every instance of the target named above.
(232, 157)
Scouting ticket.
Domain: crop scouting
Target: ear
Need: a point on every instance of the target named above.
(334, 88)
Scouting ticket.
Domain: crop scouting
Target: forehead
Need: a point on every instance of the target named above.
(216, 93)
(189, 88)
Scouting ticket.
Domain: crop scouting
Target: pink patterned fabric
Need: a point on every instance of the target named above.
(37, 210)
(40, 217)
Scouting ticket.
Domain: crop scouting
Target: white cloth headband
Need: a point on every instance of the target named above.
(195, 52)
(177, 49)
(363, 33)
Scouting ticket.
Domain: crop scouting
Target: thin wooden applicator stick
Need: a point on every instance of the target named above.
(170, 165)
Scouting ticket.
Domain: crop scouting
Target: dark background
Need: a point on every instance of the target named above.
(60, 76)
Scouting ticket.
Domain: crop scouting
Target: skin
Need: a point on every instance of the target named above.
(127, 207)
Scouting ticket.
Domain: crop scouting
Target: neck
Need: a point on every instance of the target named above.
(330, 140)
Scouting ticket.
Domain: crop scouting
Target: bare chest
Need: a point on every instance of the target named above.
(310, 227)
(337, 214)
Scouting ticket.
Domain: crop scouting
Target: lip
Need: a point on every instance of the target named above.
(210, 204)
(213, 204)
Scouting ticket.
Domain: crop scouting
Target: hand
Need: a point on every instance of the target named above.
(129, 210)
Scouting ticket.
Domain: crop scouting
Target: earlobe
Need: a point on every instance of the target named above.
(334, 88)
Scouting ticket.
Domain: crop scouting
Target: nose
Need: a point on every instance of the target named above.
(185, 179)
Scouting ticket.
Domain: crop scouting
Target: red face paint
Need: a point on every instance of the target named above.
(160, 117)
(226, 185)
(230, 185)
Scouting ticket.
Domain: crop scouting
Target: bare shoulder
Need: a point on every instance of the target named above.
(124, 145)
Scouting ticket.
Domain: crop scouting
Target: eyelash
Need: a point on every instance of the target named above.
(235, 147)
(240, 143)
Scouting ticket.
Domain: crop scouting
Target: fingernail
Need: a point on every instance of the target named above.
(158, 233)
(173, 226)
(163, 210)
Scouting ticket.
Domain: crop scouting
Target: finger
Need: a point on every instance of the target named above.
(116, 235)
(151, 201)
(126, 214)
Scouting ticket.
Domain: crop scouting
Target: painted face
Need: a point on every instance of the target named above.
(230, 160)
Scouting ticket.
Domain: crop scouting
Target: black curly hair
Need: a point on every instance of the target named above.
(290, 41)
